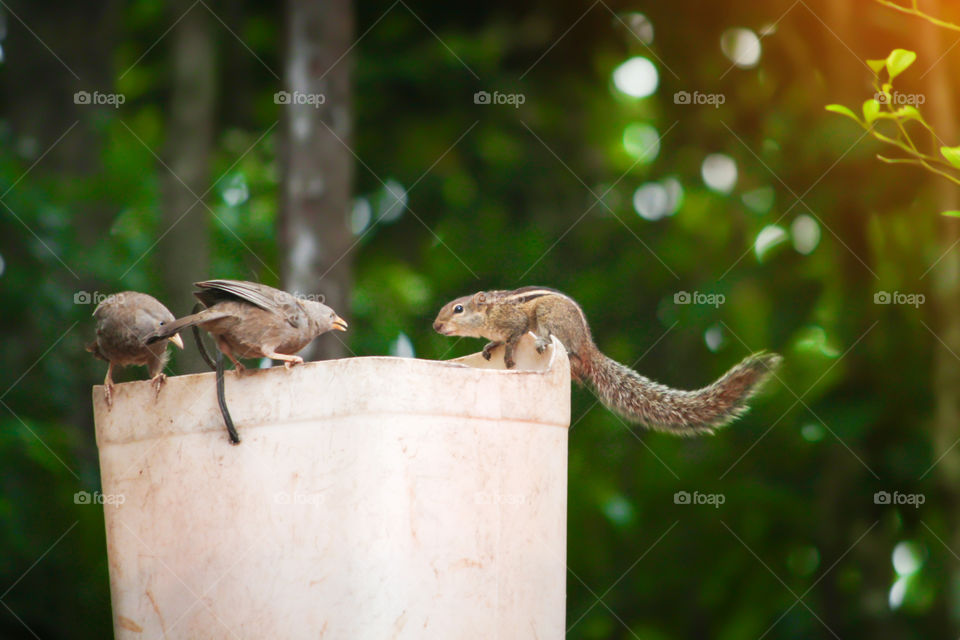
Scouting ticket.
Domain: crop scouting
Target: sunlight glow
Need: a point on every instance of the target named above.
(402, 347)
(641, 141)
(806, 234)
(392, 201)
(650, 201)
(907, 558)
(769, 237)
(897, 593)
(713, 337)
(741, 46)
(640, 26)
(719, 172)
(637, 77)
(360, 216)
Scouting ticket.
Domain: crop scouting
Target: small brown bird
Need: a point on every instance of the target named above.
(252, 320)
(124, 322)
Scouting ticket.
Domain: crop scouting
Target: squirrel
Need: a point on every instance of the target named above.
(505, 316)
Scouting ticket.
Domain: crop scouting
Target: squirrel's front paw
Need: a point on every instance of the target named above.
(541, 344)
(510, 362)
(488, 349)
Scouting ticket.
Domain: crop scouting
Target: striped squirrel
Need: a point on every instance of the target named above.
(505, 316)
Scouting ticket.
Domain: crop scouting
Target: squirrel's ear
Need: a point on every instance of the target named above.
(479, 297)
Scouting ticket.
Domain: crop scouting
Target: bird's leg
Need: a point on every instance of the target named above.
(157, 382)
(108, 386)
(288, 361)
(225, 349)
(489, 347)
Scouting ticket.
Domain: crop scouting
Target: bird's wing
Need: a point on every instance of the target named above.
(267, 298)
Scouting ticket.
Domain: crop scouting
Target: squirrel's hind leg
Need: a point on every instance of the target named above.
(509, 345)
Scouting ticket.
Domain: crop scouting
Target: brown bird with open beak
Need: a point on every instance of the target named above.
(124, 322)
(252, 320)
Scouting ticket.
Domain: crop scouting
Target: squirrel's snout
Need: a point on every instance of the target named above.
(438, 326)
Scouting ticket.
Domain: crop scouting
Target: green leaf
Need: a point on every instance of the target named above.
(871, 109)
(876, 65)
(909, 112)
(951, 214)
(898, 61)
(952, 154)
(842, 110)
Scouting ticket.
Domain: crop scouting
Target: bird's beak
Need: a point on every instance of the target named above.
(339, 324)
(177, 340)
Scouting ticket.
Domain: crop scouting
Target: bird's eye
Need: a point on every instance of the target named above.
(458, 308)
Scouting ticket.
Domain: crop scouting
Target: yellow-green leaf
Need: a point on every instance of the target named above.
(842, 110)
(909, 112)
(871, 109)
(876, 65)
(952, 214)
(952, 154)
(898, 61)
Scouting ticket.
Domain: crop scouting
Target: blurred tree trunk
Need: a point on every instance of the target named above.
(317, 166)
(184, 251)
(83, 36)
(945, 287)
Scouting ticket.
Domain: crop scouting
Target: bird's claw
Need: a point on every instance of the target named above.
(294, 361)
(108, 395)
(157, 382)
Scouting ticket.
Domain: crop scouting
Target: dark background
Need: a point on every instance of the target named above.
(96, 199)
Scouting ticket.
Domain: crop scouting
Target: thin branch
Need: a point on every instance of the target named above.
(914, 11)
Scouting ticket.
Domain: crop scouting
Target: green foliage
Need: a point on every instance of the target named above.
(501, 197)
(885, 107)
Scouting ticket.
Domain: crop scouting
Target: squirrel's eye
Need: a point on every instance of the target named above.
(458, 308)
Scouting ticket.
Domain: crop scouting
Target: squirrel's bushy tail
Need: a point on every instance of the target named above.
(659, 407)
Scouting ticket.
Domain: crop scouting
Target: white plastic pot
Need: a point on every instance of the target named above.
(370, 498)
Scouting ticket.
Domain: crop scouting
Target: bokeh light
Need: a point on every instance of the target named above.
(719, 172)
(637, 77)
(642, 141)
(805, 231)
(360, 216)
(650, 201)
(741, 46)
(770, 236)
(640, 26)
